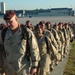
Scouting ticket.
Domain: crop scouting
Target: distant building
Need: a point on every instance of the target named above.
(45, 12)
(50, 12)
(2, 8)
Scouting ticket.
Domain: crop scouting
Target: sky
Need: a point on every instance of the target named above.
(38, 4)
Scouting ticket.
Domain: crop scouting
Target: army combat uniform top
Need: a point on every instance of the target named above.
(45, 60)
(50, 35)
(15, 48)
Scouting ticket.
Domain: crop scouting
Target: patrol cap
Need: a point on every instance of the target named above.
(9, 15)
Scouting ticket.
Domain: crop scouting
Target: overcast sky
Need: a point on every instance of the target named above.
(38, 4)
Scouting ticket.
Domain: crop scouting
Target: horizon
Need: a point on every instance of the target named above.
(38, 8)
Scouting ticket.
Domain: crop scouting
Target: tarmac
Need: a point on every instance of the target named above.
(52, 19)
(59, 69)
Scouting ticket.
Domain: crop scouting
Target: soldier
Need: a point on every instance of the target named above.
(67, 38)
(73, 28)
(57, 38)
(71, 36)
(62, 39)
(48, 25)
(71, 33)
(1, 60)
(16, 61)
(50, 35)
(2, 26)
(45, 61)
(29, 25)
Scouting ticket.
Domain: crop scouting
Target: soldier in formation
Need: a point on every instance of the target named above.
(15, 44)
(27, 54)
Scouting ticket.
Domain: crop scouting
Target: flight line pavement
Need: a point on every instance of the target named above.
(59, 69)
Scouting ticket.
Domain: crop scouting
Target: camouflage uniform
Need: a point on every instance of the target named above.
(67, 41)
(71, 37)
(62, 30)
(53, 41)
(62, 40)
(50, 35)
(1, 58)
(57, 38)
(71, 33)
(44, 64)
(15, 62)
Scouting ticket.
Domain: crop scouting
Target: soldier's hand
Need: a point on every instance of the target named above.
(33, 71)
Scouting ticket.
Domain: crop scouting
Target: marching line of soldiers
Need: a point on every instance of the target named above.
(53, 44)
(59, 38)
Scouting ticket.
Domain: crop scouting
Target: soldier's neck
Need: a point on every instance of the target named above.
(14, 30)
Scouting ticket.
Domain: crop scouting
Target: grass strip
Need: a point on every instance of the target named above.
(70, 66)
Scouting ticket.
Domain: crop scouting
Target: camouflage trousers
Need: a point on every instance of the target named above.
(44, 65)
(10, 71)
(67, 47)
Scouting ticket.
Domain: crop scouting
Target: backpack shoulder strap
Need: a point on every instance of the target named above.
(3, 34)
(48, 46)
(3, 37)
(25, 35)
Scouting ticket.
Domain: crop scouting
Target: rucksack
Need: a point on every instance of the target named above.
(48, 45)
(51, 50)
(25, 35)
